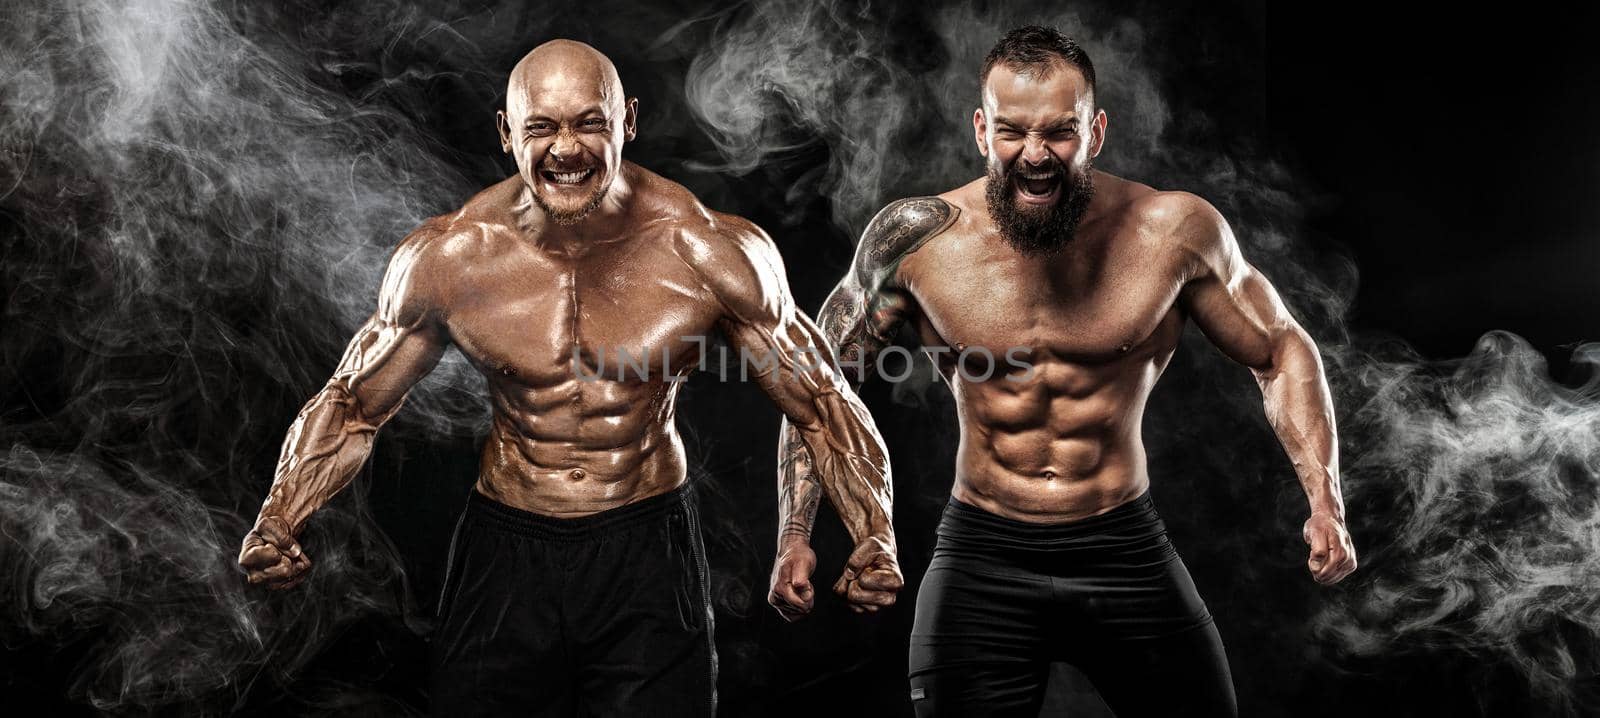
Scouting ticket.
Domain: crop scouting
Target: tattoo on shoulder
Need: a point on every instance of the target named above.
(900, 229)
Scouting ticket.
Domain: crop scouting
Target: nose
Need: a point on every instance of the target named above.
(565, 146)
(1034, 152)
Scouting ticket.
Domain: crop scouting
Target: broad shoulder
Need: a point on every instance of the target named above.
(1188, 222)
(436, 256)
(899, 229)
(1191, 230)
(484, 225)
(418, 274)
(717, 240)
(738, 263)
(697, 233)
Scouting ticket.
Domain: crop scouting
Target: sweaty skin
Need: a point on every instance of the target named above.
(543, 281)
(1097, 321)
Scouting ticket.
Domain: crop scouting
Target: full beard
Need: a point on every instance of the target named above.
(1044, 230)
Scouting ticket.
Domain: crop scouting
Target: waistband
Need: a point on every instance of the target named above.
(481, 508)
(1132, 520)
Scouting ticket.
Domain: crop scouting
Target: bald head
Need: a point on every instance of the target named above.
(567, 68)
(565, 122)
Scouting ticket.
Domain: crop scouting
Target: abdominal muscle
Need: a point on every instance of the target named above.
(1062, 446)
(574, 458)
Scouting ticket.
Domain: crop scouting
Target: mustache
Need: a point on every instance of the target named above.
(1053, 167)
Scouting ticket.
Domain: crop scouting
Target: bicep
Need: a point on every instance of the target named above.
(1230, 300)
(859, 323)
(786, 354)
(1241, 313)
(862, 314)
(383, 362)
(402, 341)
(783, 351)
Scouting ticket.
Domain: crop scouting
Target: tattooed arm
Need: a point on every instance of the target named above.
(332, 436)
(858, 320)
(742, 267)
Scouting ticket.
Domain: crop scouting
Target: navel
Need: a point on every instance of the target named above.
(577, 474)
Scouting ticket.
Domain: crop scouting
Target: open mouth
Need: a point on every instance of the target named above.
(566, 177)
(1038, 187)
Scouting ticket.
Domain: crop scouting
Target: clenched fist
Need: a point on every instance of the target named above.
(871, 576)
(1332, 555)
(272, 556)
(791, 591)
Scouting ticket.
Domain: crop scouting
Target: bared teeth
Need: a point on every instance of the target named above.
(1032, 185)
(568, 177)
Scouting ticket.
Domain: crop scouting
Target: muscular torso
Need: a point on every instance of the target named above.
(572, 439)
(1097, 322)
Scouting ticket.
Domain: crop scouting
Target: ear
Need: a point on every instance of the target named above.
(1098, 140)
(505, 131)
(630, 119)
(980, 131)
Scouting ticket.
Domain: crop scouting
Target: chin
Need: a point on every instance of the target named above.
(569, 210)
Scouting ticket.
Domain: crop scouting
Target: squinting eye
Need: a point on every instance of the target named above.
(540, 130)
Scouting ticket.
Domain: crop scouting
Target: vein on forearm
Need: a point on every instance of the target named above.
(851, 466)
(324, 450)
(333, 434)
(1300, 409)
(856, 320)
(799, 488)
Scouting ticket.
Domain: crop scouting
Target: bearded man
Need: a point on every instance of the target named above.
(1050, 548)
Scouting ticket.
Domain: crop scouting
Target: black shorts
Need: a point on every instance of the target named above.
(1003, 599)
(604, 615)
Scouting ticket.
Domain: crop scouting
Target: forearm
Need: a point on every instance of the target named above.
(1299, 407)
(849, 462)
(323, 452)
(798, 490)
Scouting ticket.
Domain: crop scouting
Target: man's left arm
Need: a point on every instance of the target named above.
(1241, 313)
(794, 366)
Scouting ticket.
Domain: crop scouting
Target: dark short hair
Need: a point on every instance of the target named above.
(1032, 48)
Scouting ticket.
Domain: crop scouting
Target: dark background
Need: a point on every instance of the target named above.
(1451, 159)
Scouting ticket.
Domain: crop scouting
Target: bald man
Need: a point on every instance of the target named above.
(582, 289)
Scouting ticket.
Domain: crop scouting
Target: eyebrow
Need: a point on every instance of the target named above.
(587, 113)
(1069, 123)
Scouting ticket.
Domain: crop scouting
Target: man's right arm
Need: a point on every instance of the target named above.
(859, 319)
(333, 434)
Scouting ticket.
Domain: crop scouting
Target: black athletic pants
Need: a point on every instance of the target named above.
(1002, 599)
(604, 615)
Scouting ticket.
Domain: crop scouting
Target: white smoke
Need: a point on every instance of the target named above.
(1472, 483)
(213, 189)
(185, 197)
